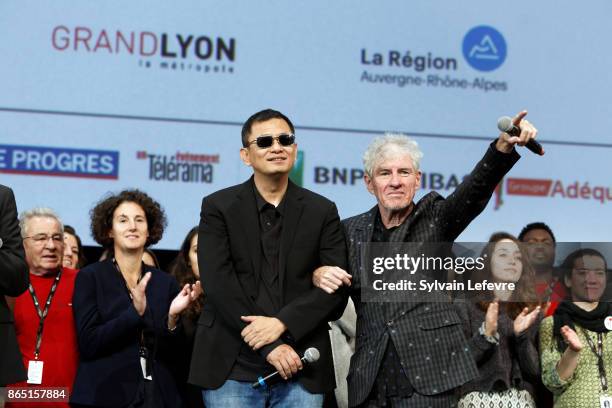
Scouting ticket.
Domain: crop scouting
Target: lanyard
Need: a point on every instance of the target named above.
(127, 288)
(598, 351)
(143, 351)
(42, 314)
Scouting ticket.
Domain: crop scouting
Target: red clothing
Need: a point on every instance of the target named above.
(559, 293)
(58, 350)
(554, 293)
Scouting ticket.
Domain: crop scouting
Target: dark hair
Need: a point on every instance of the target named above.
(262, 116)
(102, 216)
(534, 226)
(568, 263)
(182, 272)
(82, 260)
(525, 287)
(154, 257)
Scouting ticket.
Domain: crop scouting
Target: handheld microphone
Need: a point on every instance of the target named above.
(504, 124)
(310, 356)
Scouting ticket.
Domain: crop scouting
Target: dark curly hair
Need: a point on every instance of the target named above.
(102, 216)
(533, 226)
(182, 272)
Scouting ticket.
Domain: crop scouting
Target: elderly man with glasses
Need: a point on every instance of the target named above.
(43, 314)
(259, 243)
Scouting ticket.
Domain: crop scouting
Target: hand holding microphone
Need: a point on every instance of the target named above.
(519, 131)
(310, 356)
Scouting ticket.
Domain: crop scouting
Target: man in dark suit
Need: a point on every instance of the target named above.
(259, 243)
(412, 353)
(13, 282)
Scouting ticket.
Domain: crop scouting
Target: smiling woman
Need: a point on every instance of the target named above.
(126, 311)
(502, 329)
(575, 344)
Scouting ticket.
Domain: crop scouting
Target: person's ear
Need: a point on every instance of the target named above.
(245, 156)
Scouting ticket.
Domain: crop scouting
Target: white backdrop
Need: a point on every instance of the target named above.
(99, 78)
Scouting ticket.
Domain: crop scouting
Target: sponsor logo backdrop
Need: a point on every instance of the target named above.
(99, 97)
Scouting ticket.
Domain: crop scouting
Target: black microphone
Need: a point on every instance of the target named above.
(310, 356)
(505, 124)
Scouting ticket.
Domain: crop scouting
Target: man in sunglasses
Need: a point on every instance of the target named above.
(259, 243)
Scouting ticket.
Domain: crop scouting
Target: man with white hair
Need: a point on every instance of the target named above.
(43, 315)
(412, 353)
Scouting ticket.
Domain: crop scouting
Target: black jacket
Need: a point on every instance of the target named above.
(428, 336)
(108, 331)
(14, 279)
(229, 257)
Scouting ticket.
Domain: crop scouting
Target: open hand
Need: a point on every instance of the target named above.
(491, 318)
(139, 297)
(571, 338)
(188, 294)
(525, 319)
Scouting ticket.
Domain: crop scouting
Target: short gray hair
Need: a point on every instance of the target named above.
(391, 144)
(42, 212)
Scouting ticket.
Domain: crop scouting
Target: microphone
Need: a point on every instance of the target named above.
(505, 124)
(310, 356)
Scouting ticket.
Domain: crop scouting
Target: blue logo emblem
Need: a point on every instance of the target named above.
(484, 48)
(59, 161)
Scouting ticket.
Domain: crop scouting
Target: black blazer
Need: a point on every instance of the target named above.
(14, 279)
(107, 324)
(428, 336)
(229, 258)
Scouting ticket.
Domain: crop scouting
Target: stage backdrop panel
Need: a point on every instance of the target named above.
(97, 97)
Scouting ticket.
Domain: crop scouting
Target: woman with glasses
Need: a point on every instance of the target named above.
(501, 328)
(126, 312)
(575, 344)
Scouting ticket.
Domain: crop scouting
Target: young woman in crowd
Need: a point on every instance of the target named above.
(501, 326)
(185, 271)
(73, 249)
(575, 344)
(126, 312)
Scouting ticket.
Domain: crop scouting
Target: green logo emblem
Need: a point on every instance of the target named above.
(297, 172)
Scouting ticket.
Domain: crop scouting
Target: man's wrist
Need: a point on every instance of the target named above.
(281, 326)
(503, 146)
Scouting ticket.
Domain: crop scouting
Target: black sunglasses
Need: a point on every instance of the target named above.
(263, 142)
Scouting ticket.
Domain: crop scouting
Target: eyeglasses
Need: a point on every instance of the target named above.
(265, 141)
(41, 239)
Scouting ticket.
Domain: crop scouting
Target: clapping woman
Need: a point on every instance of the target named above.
(501, 328)
(127, 312)
(575, 344)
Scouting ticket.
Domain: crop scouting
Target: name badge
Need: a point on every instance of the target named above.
(143, 365)
(605, 401)
(35, 372)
